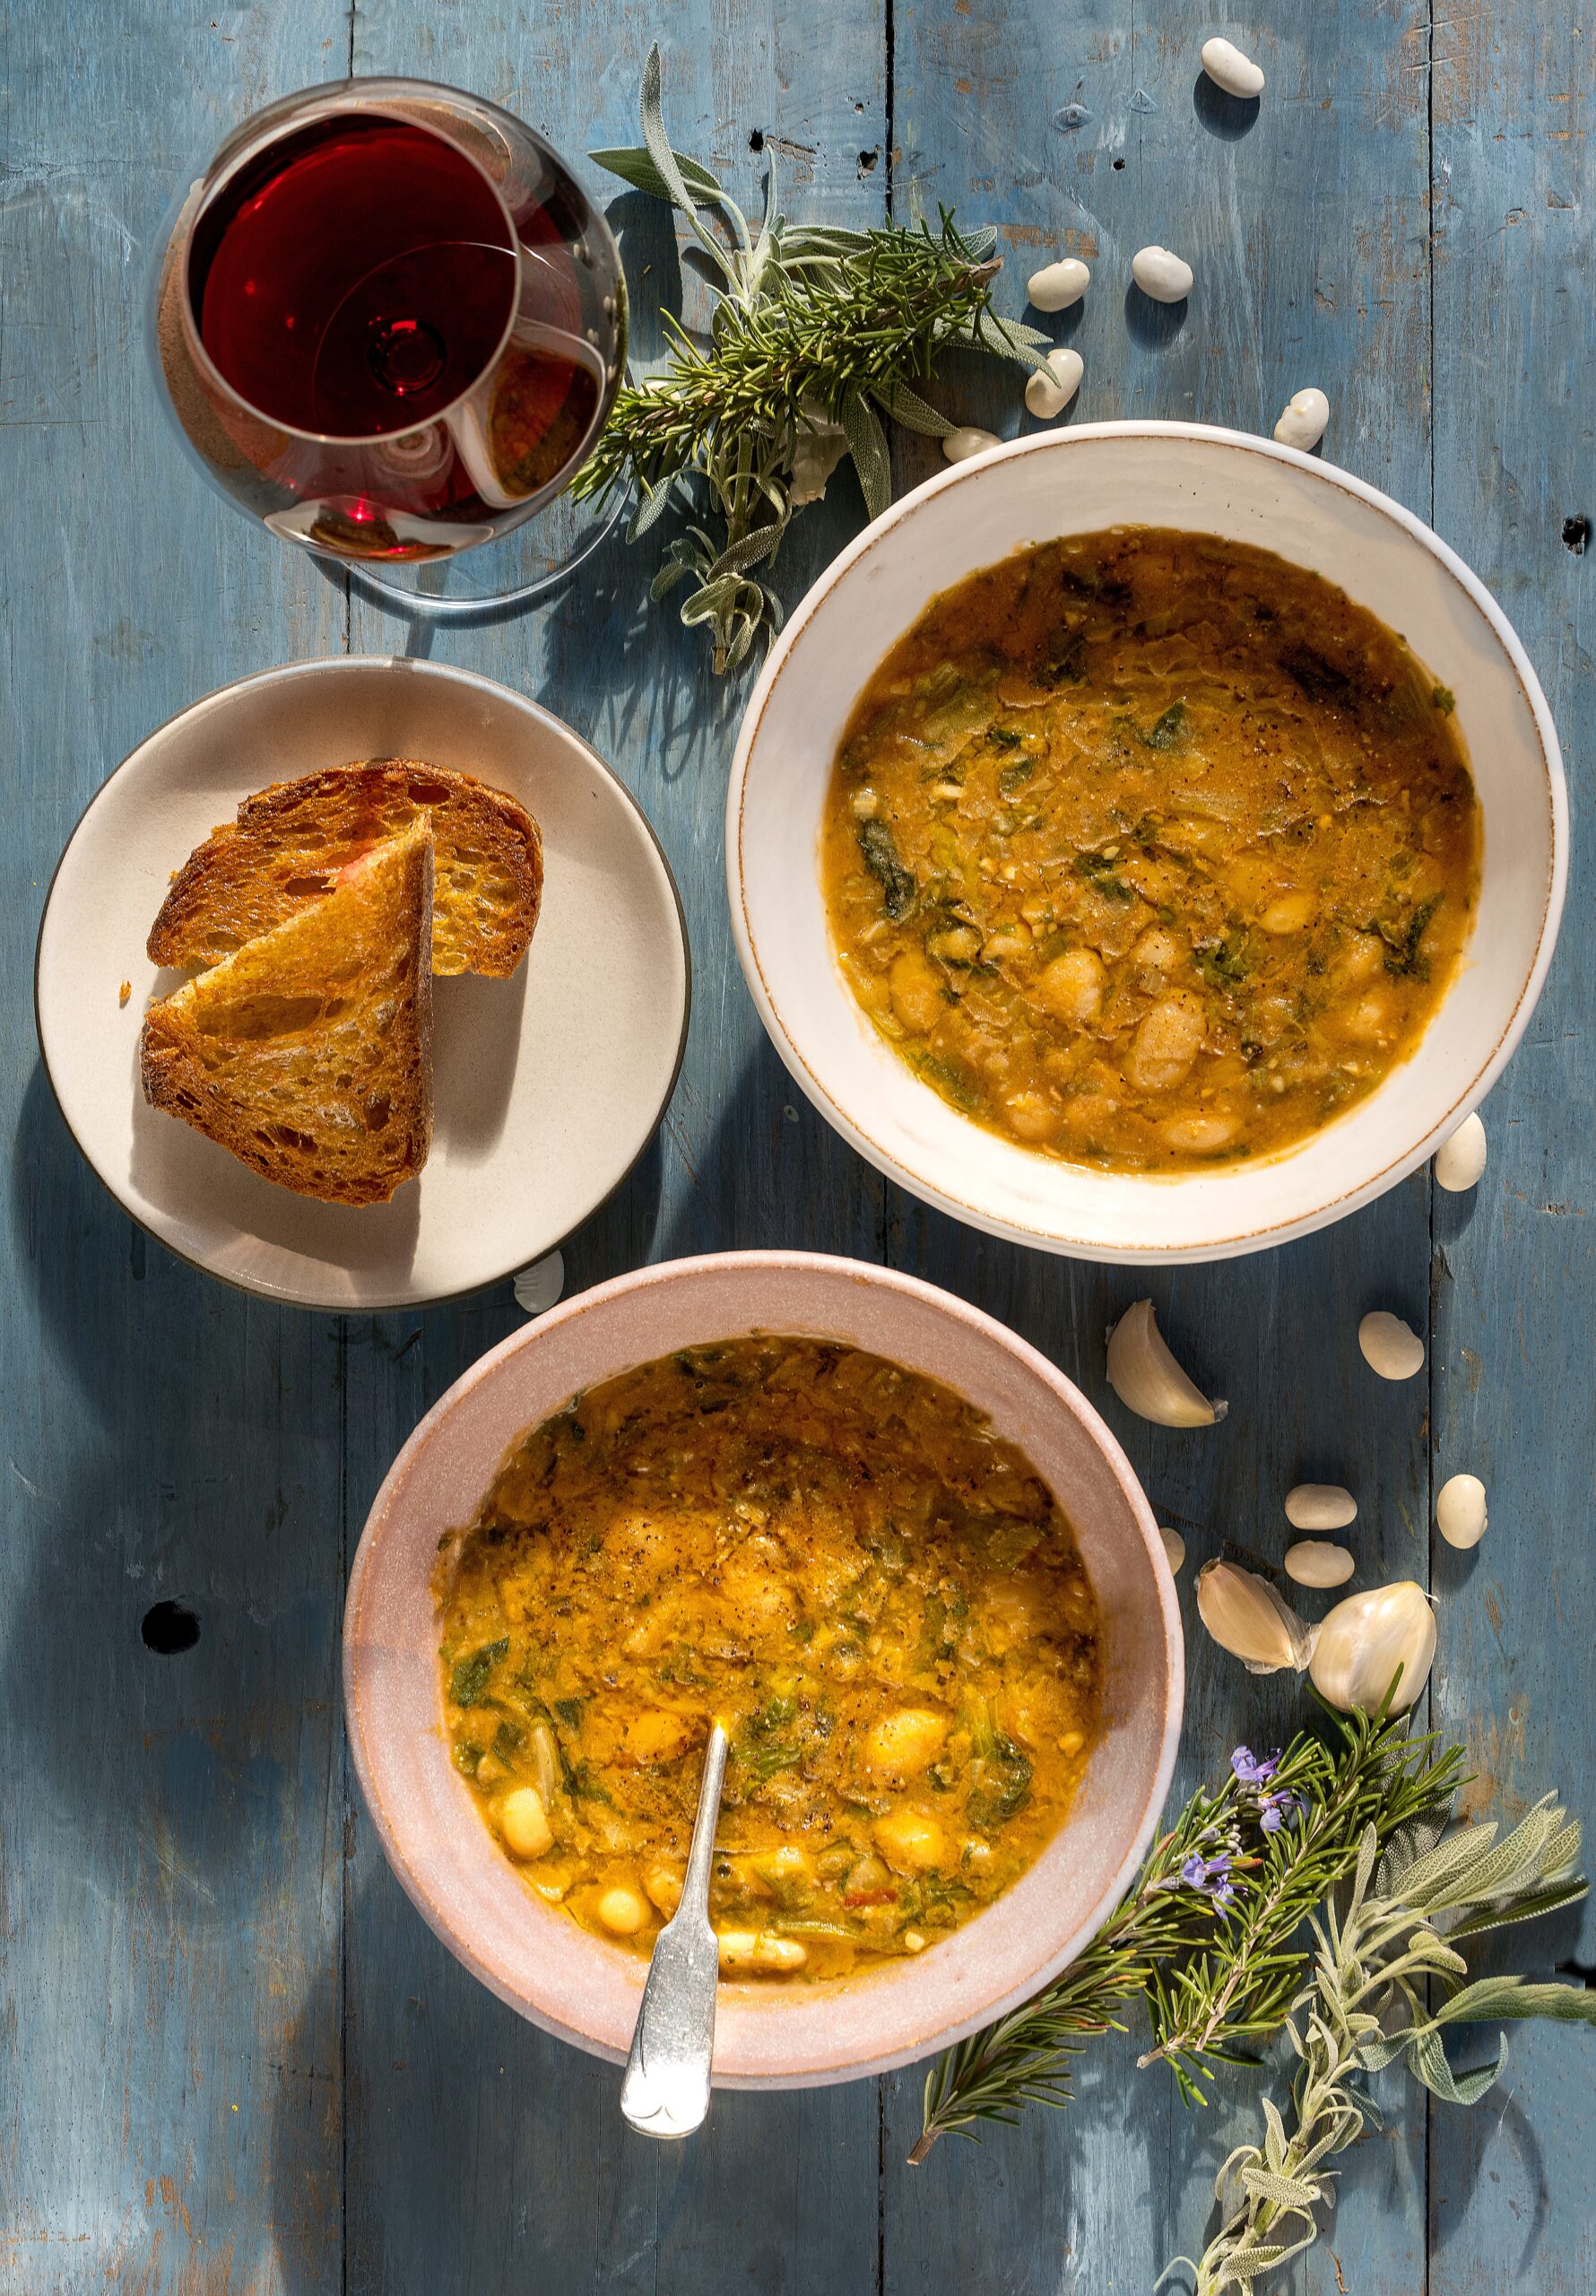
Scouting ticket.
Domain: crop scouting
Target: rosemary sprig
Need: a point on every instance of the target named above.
(816, 335)
(1366, 2005)
(1211, 1935)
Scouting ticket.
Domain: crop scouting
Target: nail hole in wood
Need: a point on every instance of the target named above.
(168, 1628)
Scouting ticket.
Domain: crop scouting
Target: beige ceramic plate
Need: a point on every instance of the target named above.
(575, 1984)
(547, 1086)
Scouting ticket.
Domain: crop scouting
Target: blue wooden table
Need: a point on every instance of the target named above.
(231, 2058)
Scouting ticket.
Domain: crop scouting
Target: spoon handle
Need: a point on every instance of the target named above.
(667, 2089)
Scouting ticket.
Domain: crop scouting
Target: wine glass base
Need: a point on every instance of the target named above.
(529, 563)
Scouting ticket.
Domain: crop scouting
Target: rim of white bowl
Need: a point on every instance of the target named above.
(1259, 1237)
(416, 1870)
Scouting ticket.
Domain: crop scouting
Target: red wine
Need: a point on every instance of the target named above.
(393, 323)
(355, 278)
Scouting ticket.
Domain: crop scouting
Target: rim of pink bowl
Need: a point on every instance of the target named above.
(837, 2064)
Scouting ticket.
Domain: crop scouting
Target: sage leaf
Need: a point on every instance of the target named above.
(867, 444)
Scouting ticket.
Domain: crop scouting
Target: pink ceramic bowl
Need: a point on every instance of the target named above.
(536, 1957)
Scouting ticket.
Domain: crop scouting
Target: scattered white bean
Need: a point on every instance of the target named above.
(1302, 423)
(1460, 1511)
(1389, 1347)
(1174, 1547)
(958, 446)
(1319, 1506)
(1236, 74)
(1461, 1160)
(539, 1286)
(1054, 384)
(1057, 285)
(1316, 1563)
(1160, 275)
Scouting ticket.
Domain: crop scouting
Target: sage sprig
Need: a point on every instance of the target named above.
(818, 336)
(1380, 1963)
(1210, 1937)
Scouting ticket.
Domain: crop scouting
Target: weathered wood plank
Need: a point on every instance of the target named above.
(779, 2193)
(168, 1825)
(1088, 134)
(1513, 92)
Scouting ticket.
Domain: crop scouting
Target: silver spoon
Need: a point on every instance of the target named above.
(667, 2089)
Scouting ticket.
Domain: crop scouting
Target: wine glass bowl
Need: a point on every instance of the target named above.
(387, 321)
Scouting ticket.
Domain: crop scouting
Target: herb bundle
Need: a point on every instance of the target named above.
(1365, 2005)
(1231, 1934)
(817, 334)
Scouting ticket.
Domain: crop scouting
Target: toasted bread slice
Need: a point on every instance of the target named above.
(307, 1053)
(289, 842)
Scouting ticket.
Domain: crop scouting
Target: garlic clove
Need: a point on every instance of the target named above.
(538, 1287)
(1054, 384)
(1303, 420)
(1162, 277)
(1460, 1161)
(1229, 69)
(959, 445)
(1389, 1347)
(1319, 1506)
(1460, 1511)
(1360, 1645)
(1057, 285)
(1174, 1547)
(1318, 1562)
(1246, 1617)
(1147, 1379)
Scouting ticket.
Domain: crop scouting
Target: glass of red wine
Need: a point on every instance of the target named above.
(390, 324)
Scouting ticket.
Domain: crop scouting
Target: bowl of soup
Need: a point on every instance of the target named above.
(1147, 843)
(880, 1539)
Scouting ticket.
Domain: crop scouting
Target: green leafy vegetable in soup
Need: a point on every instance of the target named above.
(841, 1561)
(1148, 849)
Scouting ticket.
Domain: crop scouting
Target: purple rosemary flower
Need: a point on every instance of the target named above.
(1278, 1810)
(1254, 1769)
(1211, 1875)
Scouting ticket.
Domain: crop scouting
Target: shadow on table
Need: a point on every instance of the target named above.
(170, 1667)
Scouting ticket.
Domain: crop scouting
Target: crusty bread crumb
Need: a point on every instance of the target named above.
(289, 841)
(307, 1054)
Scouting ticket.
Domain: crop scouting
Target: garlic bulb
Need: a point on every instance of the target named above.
(1147, 1379)
(1246, 1617)
(1461, 1160)
(959, 445)
(1460, 1511)
(1319, 1506)
(1174, 1547)
(1319, 1563)
(1359, 1647)
(1389, 1347)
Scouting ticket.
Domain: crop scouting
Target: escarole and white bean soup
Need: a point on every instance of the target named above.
(1150, 851)
(839, 1560)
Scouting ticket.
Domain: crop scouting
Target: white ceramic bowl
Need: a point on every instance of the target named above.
(1077, 482)
(536, 1957)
